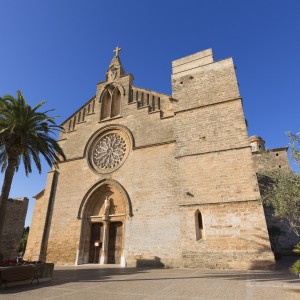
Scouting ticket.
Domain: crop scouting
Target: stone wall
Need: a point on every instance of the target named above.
(41, 221)
(153, 230)
(271, 159)
(216, 175)
(199, 82)
(235, 236)
(16, 210)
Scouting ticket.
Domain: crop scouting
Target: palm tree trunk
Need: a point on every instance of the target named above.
(8, 177)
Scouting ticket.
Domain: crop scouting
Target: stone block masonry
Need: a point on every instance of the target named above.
(16, 210)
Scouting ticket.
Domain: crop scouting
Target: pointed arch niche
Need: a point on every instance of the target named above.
(103, 213)
(110, 102)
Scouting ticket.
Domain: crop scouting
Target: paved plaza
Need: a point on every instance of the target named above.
(109, 282)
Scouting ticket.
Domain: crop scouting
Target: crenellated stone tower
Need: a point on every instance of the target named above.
(155, 179)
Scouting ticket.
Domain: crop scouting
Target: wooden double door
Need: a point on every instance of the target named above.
(114, 245)
(96, 236)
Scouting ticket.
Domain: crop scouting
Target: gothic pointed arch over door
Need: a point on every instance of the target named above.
(103, 214)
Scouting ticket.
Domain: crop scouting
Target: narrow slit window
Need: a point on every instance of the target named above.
(74, 123)
(199, 225)
(142, 99)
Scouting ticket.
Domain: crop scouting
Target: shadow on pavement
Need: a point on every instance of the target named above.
(86, 274)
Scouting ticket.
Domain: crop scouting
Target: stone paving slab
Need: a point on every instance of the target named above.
(107, 282)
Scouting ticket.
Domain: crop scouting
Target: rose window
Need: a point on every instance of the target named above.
(109, 151)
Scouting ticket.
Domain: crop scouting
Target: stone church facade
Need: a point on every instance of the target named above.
(155, 179)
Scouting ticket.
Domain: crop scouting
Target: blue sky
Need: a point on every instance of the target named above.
(58, 50)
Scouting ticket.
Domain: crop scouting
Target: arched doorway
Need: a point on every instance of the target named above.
(103, 212)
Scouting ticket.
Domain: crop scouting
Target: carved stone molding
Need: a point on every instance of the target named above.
(108, 151)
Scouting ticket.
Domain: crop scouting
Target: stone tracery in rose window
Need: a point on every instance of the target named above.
(109, 151)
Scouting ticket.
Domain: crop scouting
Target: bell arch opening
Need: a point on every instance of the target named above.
(106, 105)
(103, 213)
(116, 103)
(110, 102)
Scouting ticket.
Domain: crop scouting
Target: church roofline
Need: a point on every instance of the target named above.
(108, 82)
(151, 91)
(38, 195)
(272, 150)
(192, 57)
(18, 199)
(81, 107)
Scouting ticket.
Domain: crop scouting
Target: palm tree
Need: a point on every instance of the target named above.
(25, 133)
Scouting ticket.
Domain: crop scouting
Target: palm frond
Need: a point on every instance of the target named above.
(27, 133)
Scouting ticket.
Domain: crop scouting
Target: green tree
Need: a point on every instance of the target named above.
(295, 267)
(281, 190)
(24, 239)
(25, 134)
(295, 144)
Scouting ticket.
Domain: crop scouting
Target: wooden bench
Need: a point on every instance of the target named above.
(19, 273)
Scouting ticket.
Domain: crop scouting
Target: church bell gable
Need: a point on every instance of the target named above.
(115, 69)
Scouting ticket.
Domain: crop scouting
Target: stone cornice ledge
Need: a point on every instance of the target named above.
(214, 151)
(219, 202)
(134, 148)
(206, 105)
(71, 159)
(154, 145)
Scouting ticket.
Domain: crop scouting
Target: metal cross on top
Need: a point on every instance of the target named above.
(117, 50)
